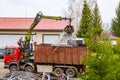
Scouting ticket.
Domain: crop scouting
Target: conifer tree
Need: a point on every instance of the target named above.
(85, 22)
(115, 27)
(97, 23)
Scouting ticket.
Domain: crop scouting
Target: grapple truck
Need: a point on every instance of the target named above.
(56, 59)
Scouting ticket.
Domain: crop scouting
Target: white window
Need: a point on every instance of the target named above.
(50, 38)
(11, 40)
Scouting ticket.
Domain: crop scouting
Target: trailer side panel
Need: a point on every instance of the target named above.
(59, 54)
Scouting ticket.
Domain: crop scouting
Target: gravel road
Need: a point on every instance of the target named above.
(3, 71)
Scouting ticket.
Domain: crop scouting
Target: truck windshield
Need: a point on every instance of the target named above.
(9, 51)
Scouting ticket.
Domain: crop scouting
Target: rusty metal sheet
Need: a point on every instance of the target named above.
(42, 54)
(69, 55)
(59, 54)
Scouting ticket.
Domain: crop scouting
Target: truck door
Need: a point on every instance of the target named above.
(10, 55)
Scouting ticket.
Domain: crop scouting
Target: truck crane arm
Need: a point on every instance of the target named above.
(37, 19)
(26, 47)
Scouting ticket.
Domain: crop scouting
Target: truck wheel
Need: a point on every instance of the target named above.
(58, 72)
(28, 69)
(13, 68)
(70, 72)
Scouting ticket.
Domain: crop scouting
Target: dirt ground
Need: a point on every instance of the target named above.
(3, 71)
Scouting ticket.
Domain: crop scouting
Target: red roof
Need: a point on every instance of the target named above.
(25, 23)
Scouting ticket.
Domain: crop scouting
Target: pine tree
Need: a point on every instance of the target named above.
(115, 27)
(86, 21)
(97, 23)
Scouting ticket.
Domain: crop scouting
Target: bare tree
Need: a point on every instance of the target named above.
(74, 11)
(92, 3)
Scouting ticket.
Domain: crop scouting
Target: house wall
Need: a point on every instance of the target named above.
(14, 32)
(39, 36)
(11, 37)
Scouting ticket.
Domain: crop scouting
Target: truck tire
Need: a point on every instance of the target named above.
(13, 68)
(28, 68)
(70, 72)
(58, 72)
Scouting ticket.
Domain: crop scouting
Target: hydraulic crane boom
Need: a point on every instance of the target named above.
(26, 43)
(37, 19)
(26, 48)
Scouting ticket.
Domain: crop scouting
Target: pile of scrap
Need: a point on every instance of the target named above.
(20, 75)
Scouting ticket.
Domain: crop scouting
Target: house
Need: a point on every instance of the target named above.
(47, 30)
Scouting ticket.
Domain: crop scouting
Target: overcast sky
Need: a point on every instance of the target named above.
(29, 8)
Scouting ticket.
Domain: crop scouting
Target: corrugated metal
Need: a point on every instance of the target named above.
(59, 54)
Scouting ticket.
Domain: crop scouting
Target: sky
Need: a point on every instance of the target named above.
(29, 8)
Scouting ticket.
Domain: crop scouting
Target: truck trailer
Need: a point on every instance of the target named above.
(61, 59)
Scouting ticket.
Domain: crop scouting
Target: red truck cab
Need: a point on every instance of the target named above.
(14, 60)
(12, 55)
